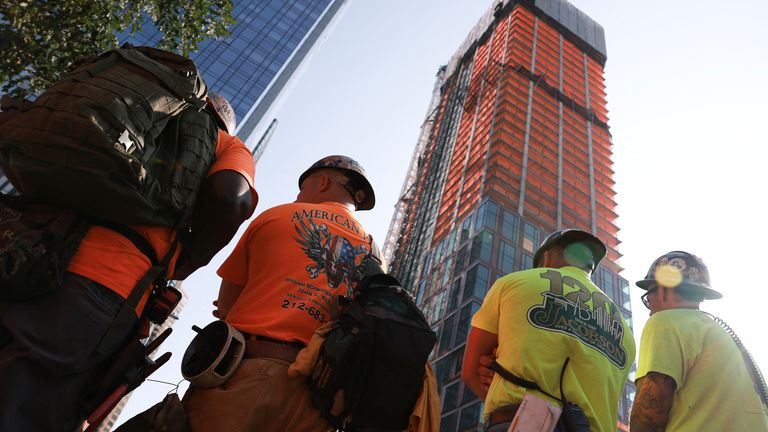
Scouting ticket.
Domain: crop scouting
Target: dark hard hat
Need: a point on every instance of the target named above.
(566, 237)
(353, 170)
(682, 271)
(223, 112)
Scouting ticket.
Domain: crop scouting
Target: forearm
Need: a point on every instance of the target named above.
(228, 294)
(480, 343)
(650, 411)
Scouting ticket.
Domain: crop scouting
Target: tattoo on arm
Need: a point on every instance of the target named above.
(654, 398)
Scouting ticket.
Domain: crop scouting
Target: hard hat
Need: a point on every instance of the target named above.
(356, 173)
(222, 111)
(682, 271)
(213, 355)
(569, 236)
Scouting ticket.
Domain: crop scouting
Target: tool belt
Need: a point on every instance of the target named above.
(264, 347)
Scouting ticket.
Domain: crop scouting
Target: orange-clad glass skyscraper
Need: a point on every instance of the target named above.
(515, 145)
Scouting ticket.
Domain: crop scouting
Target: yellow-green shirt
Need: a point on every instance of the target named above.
(714, 389)
(543, 316)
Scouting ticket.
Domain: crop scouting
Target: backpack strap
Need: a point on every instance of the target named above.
(173, 81)
(125, 316)
(140, 242)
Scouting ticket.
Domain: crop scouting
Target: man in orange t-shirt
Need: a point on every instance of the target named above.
(277, 287)
(52, 357)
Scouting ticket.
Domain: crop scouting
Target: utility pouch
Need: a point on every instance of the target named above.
(535, 414)
(162, 302)
(213, 355)
(36, 243)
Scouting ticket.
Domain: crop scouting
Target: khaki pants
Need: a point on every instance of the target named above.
(258, 397)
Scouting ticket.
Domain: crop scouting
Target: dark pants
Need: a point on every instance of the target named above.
(48, 358)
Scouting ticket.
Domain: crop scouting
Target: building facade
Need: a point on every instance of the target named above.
(515, 145)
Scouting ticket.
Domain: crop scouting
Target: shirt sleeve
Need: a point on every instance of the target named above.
(487, 317)
(661, 350)
(233, 155)
(234, 269)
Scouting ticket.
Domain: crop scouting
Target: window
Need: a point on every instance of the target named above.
(461, 260)
(625, 299)
(439, 302)
(481, 247)
(506, 258)
(447, 272)
(486, 216)
(530, 237)
(509, 223)
(477, 282)
(448, 423)
(465, 322)
(451, 396)
(445, 338)
(426, 263)
(465, 228)
(453, 300)
(470, 418)
(420, 293)
(452, 240)
(608, 286)
(526, 261)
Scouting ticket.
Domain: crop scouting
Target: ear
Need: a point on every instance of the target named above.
(324, 183)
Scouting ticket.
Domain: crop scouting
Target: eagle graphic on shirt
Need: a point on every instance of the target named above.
(332, 254)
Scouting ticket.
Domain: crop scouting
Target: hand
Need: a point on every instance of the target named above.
(486, 374)
(215, 311)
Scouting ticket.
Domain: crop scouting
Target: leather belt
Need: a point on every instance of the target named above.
(261, 347)
(503, 414)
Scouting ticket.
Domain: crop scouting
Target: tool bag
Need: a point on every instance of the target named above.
(124, 138)
(370, 369)
(36, 244)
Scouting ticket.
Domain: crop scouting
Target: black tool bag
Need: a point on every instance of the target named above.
(124, 137)
(36, 243)
(167, 415)
(370, 370)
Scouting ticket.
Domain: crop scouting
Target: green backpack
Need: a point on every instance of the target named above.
(124, 137)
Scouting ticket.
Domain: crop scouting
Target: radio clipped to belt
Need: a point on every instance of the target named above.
(162, 301)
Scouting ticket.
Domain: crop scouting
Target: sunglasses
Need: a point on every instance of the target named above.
(644, 298)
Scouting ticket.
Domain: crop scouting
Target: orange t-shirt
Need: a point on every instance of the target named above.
(292, 261)
(112, 260)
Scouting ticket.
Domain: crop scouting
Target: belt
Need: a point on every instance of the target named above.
(262, 347)
(503, 414)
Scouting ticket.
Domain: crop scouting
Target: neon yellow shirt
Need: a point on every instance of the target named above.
(714, 389)
(543, 316)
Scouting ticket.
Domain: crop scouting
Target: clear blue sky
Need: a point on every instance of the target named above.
(686, 92)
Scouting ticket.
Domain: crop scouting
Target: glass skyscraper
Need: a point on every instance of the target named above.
(269, 44)
(515, 145)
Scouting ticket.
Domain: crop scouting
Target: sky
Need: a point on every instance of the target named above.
(686, 88)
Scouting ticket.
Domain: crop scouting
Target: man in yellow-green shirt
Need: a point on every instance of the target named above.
(692, 375)
(538, 318)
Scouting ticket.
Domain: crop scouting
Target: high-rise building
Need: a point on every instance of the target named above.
(255, 66)
(514, 146)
